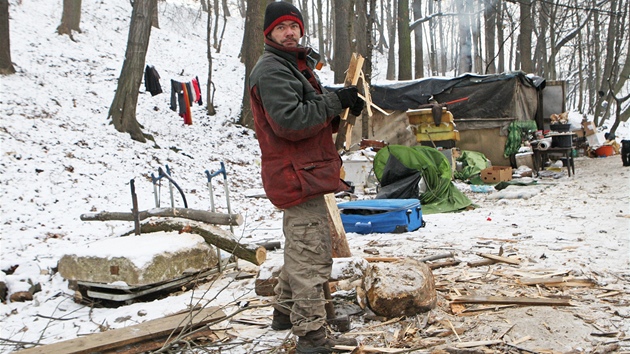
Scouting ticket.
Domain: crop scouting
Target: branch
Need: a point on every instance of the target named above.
(212, 234)
(186, 213)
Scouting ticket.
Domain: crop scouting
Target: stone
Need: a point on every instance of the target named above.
(138, 260)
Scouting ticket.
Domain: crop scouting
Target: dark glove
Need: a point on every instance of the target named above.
(357, 107)
(348, 96)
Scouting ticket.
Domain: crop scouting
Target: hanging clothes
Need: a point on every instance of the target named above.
(197, 88)
(183, 94)
(188, 115)
(152, 80)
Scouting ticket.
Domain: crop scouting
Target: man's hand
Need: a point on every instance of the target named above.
(348, 96)
(357, 107)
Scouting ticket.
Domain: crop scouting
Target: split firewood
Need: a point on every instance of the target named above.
(500, 258)
(213, 235)
(185, 213)
(340, 247)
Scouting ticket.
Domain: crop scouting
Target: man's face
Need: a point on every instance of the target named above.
(286, 33)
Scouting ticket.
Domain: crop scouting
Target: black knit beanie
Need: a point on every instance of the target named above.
(280, 11)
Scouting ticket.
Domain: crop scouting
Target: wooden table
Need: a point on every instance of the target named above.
(540, 156)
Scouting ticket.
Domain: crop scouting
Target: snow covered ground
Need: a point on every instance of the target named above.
(61, 158)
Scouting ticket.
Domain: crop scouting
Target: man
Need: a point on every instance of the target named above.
(295, 118)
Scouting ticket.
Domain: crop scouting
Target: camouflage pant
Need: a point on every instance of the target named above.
(307, 265)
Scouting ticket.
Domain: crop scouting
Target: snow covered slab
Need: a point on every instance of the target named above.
(138, 260)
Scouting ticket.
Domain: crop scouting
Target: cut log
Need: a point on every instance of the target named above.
(347, 268)
(504, 300)
(117, 338)
(185, 213)
(213, 235)
(404, 288)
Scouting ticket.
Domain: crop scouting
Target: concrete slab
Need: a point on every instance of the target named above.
(138, 260)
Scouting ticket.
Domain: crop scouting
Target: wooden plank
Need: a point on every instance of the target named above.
(499, 258)
(509, 300)
(117, 338)
(340, 247)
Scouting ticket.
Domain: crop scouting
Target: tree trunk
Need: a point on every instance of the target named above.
(6, 65)
(391, 30)
(525, 43)
(465, 40)
(500, 38)
(210, 85)
(342, 45)
(320, 31)
(70, 17)
(123, 109)
(490, 15)
(404, 41)
(365, 122)
(251, 50)
(603, 85)
(418, 47)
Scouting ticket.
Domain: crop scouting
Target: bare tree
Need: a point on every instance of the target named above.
(6, 65)
(391, 30)
(123, 109)
(490, 17)
(404, 41)
(418, 45)
(465, 39)
(342, 44)
(250, 52)
(210, 90)
(525, 43)
(70, 17)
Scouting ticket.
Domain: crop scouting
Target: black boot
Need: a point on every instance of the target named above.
(280, 321)
(319, 342)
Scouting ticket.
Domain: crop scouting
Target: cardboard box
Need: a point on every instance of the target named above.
(496, 174)
(589, 128)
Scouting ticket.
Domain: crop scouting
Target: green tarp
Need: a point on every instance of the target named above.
(441, 195)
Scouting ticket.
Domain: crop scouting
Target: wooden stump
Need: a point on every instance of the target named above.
(403, 288)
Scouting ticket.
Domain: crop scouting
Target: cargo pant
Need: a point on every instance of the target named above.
(307, 265)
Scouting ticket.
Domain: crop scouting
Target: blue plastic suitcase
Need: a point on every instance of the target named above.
(381, 215)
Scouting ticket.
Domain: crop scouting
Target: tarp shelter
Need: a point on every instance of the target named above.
(492, 103)
(400, 168)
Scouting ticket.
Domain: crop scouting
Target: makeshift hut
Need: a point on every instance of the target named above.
(485, 107)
